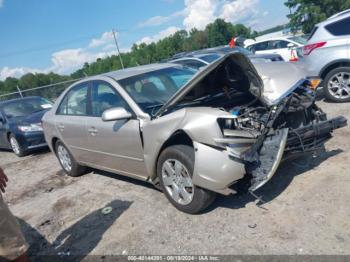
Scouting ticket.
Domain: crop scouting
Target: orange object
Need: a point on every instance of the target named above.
(293, 58)
(232, 43)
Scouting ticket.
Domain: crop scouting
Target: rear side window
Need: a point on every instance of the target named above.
(339, 28)
(260, 46)
(75, 101)
(278, 44)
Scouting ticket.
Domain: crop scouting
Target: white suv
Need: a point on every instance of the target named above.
(327, 55)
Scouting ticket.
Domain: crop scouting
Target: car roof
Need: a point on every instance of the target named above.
(343, 13)
(334, 18)
(219, 50)
(272, 39)
(4, 102)
(138, 70)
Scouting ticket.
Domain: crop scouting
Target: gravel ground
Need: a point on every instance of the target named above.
(306, 209)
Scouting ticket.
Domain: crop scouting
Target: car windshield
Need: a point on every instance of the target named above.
(151, 90)
(25, 107)
(299, 39)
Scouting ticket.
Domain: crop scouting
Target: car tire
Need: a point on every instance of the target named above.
(343, 74)
(16, 147)
(177, 185)
(67, 161)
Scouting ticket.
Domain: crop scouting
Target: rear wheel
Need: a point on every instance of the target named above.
(175, 169)
(67, 161)
(337, 85)
(16, 147)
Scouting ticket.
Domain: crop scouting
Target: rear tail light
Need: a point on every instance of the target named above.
(309, 48)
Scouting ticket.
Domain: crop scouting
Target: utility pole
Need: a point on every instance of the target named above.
(19, 91)
(116, 43)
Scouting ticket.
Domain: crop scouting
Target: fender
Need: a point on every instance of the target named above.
(331, 65)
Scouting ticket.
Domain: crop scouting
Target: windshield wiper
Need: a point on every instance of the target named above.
(39, 110)
(154, 106)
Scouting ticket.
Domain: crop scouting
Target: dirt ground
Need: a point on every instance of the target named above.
(306, 211)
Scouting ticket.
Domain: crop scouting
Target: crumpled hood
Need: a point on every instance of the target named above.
(279, 78)
(235, 58)
(271, 81)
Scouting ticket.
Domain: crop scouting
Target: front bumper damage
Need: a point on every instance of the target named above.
(285, 142)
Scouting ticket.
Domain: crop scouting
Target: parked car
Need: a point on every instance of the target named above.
(327, 54)
(20, 124)
(284, 46)
(199, 59)
(193, 133)
(204, 57)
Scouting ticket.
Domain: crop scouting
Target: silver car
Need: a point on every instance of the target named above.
(190, 133)
(327, 55)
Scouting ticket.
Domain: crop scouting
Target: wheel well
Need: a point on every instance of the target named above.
(53, 143)
(178, 138)
(329, 68)
(8, 136)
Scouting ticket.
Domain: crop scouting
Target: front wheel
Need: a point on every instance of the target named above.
(16, 147)
(67, 161)
(175, 169)
(337, 85)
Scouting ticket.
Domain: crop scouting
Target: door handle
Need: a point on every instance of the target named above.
(93, 131)
(61, 127)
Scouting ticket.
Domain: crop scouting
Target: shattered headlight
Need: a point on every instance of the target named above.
(31, 128)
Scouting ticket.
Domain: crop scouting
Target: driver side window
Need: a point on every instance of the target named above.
(103, 97)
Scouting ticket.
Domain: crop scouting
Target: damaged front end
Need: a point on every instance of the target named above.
(267, 113)
(293, 126)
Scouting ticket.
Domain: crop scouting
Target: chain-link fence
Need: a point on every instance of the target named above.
(50, 92)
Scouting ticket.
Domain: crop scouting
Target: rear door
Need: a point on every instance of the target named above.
(115, 145)
(281, 47)
(259, 48)
(70, 121)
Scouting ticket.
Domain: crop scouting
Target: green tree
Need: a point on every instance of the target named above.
(307, 13)
(219, 33)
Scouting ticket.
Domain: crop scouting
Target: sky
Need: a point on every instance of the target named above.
(61, 35)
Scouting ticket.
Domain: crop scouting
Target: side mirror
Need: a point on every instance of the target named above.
(116, 113)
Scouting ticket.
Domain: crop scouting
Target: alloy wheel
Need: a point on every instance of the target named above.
(64, 158)
(339, 85)
(15, 146)
(177, 181)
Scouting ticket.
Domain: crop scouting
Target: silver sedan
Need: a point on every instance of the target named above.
(191, 133)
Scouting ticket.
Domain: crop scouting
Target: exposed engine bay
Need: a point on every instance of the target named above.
(295, 126)
(260, 131)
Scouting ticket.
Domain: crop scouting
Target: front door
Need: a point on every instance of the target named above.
(116, 145)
